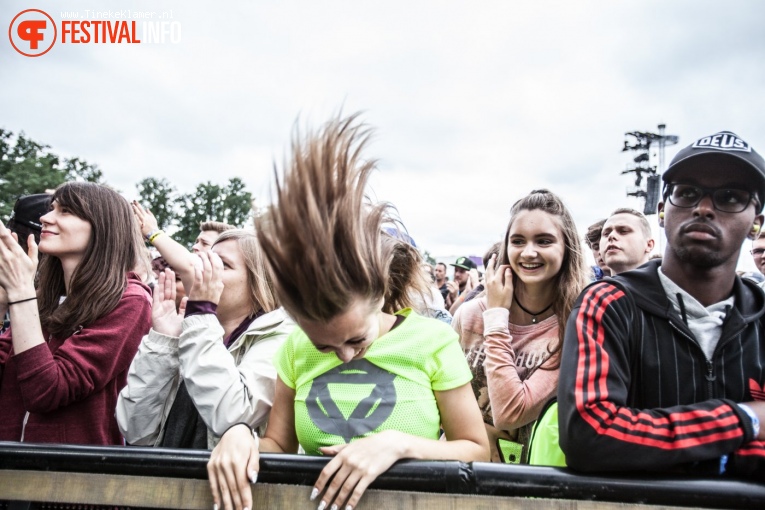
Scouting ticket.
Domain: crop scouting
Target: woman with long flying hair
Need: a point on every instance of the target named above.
(67, 352)
(199, 372)
(512, 336)
(348, 284)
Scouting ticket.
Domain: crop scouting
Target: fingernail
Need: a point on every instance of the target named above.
(246, 508)
(215, 507)
(322, 506)
(333, 507)
(314, 493)
(349, 507)
(253, 478)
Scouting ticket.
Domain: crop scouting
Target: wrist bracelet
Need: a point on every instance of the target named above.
(155, 234)
(150, 233)
(21, 301)
(752, 416)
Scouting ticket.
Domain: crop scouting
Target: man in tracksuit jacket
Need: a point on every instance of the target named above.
(663, 367)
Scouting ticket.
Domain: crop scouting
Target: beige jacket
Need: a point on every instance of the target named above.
(227, 386)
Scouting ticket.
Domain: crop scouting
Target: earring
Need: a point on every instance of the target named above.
(661, 215)
(755, 229)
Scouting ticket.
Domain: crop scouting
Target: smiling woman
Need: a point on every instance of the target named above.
(74, 336)
(364, 379)
(512, 336)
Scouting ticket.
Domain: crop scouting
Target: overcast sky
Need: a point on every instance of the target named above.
(474, 103)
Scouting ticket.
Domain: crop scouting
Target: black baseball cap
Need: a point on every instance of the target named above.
(726, 144)
(465, 263)
(28, 209)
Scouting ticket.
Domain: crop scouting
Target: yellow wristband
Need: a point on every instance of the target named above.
(155, 235)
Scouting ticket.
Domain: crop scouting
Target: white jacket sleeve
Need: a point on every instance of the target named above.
(224, 393)
(152, 382)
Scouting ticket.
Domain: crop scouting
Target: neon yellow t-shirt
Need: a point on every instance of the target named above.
(391, 387)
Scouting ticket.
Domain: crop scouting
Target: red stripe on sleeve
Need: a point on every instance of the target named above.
(621, 423)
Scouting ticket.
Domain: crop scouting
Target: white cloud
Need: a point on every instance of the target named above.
(475, 104)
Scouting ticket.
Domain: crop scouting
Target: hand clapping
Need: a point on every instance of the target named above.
(164, 318)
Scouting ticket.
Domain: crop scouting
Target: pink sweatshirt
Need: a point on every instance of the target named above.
(510, 363)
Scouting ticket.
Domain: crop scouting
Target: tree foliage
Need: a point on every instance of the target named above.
(28, 167)
(230, 204)
(210, 202)
(159, 196)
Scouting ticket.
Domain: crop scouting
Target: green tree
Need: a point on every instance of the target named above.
(429, 258)
(79, 170)
(159, 195)
(210, 202)
(25, 167)
(28, 167)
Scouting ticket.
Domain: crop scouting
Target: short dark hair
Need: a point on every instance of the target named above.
(593, 233)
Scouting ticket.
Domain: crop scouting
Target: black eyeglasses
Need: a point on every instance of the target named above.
(757, 252)
(724, 199)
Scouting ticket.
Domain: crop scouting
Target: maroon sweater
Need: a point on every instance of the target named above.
(69, 386)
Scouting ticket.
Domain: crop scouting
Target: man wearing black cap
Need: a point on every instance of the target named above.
(461, 281)
(662, 367)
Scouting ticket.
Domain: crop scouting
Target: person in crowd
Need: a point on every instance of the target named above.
(196, 376)
(430, 303)
(25, 217)
(158, 266)
(465, 280)
(347, 285)
(62, 371)
(442, 279)
(758, 248)
(512, 336)
(25, 220)
(592, 238)
(208, 233)
(173, 253)
(480, 288)
(662, 367)
(143, 268)
(626, 241)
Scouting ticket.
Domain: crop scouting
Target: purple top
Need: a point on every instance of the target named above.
(204, 307)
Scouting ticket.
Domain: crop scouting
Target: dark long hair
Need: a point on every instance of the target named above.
(98, 282)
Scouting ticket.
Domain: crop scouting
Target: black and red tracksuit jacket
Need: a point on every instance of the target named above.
(637, 393)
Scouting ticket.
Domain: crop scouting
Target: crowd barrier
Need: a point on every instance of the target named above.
(80, 477)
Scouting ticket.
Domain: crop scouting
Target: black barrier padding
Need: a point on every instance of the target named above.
(419, 476)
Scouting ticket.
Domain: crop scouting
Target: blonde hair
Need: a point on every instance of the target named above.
(259, 281)
(323, 240)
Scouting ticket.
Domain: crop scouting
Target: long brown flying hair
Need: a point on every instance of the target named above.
(323, 240)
